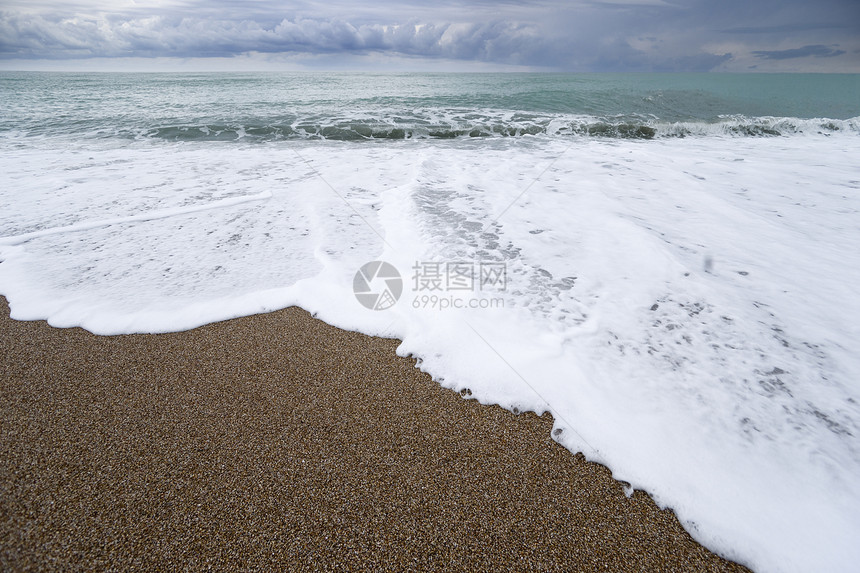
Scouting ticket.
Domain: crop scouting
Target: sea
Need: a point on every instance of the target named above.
(668, 264)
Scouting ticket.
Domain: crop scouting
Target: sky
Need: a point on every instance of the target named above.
(413, 35)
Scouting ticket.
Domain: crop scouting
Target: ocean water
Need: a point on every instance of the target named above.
(666, 263)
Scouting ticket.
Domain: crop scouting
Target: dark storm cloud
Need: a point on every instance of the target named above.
(583, 35)
(35, 36)
(817, 51)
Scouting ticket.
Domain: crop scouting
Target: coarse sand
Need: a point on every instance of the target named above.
(277, 442)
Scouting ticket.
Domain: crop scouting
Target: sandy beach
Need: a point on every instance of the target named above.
(278, 442)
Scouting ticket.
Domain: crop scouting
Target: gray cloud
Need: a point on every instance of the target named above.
(785, 28)
(696, 63)
(574, 35)
(34, 36)
(817, 51)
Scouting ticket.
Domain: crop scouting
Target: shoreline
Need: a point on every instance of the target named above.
(279, 441)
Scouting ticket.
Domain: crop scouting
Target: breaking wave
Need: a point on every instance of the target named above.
(415, 128)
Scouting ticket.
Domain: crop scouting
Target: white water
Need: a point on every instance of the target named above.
(686, 308)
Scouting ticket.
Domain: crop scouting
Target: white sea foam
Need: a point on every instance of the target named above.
(686, 308)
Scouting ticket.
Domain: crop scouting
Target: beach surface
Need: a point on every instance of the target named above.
(278, 442)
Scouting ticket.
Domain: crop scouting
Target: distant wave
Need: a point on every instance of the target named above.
(442, 124)
(363, 129)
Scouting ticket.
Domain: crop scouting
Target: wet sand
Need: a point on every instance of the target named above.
(278, 442)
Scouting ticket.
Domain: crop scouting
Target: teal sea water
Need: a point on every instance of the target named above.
(402, 106)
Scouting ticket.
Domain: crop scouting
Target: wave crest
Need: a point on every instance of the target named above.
(440, 124)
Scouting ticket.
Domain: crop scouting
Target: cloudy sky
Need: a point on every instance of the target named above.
(572, 35)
